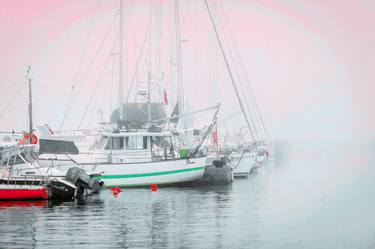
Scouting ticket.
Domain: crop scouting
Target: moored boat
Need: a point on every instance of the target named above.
(242, 163)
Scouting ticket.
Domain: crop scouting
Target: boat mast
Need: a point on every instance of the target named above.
(229, 71)
(180, 83)
(30, 107)
(121, 65)
(149, 99)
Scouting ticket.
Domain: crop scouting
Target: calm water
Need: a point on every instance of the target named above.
(313, 198)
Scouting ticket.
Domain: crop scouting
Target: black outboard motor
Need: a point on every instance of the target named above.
(80, 178)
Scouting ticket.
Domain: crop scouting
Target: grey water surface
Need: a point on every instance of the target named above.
(305, 198)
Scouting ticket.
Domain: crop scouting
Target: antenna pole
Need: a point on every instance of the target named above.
(30, 107)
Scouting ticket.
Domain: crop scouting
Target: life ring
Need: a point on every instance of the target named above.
(26, 139)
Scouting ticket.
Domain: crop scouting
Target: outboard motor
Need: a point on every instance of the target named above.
(81, 179)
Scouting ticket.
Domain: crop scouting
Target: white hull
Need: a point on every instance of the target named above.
(143, 173)
(243, 164)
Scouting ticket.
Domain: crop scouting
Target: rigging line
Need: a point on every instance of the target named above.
(100, 82)
(138, 62)
(112, 58)
(228, 118)
(250, 110)
(12, 99)
(90, 65)
(250, 89)
(184, 18)
(224, 122)
(94, 93)
(83, 53)
(229, 70)
(186, 114)
(16, 120)
(252, 103)
(253, 118)
(13, 110)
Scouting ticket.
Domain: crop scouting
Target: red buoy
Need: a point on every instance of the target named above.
(116, 191)
(154, 187)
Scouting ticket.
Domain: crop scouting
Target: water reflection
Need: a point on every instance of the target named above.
(305, 199)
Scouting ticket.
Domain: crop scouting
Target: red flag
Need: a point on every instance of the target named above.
(214, 137)
(165, 98)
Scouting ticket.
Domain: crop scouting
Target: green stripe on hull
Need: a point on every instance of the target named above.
(141, 185)
(148, 174)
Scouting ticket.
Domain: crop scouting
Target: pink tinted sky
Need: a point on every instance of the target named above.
(309, 62)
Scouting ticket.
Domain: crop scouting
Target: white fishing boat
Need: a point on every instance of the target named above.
(137, 157)
(134, 158)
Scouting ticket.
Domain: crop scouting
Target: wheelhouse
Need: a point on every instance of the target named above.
(123, 147)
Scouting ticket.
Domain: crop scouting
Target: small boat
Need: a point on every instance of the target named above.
(243, 163)
(21, 178)
(262, 153)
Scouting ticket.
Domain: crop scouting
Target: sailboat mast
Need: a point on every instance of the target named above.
(180, 83)
(30, 108)
(229, 71)
(149, 99)
(121, 66)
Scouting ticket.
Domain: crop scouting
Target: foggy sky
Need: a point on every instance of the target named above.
(310, 63)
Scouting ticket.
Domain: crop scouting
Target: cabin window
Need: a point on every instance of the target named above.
(136, 143)
(117, 143)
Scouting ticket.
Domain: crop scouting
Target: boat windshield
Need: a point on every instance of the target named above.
(121, 143)
(136, 143)
(102, 142)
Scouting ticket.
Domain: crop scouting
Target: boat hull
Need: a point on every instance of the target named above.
(242, 164)
(166, 172)
(144, 174)
(12, 192)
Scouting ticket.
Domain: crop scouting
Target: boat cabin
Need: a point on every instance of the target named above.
(132, 147)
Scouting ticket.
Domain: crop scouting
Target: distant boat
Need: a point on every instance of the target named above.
(243, 163)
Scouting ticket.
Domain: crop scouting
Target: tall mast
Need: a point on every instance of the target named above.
(229, 71)
(149, 117)
(121, 65)
(180, 83)
(30, 107)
